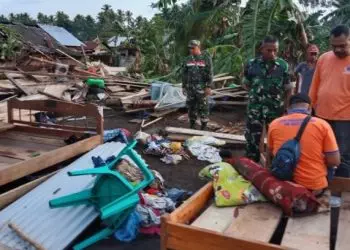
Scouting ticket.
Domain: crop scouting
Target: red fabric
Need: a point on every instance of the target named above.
(150, 230)
(291, 197)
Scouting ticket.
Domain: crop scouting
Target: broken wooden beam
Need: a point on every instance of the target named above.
(70, 57)
(151, 122)
(194, 132)
(18, 85)
(23, 235)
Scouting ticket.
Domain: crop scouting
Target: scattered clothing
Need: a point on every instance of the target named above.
(150, 230)
(206, 140)
(128, 231)
(120, 135)
(149, 216)
(205, 152)
(267, 83)
(318, 139)
(171, 159)
(291, 197)
(230, 188)
(178, 196)
(305, 73)
(158, 182)
(162, 204)
(99, 162)
(45, 117)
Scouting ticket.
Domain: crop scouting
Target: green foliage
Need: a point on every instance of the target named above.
(229, 32)
(9, 43)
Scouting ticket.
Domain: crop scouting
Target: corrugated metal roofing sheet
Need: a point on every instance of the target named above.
(53, 229)
(61, 35)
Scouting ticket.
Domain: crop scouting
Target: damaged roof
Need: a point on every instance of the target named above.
(61, 35)
(34, 35)
(38, 38)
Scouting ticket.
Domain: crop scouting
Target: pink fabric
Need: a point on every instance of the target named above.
(150, 230)
(291, 197)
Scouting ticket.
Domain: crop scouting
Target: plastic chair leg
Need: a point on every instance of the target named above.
(95, 238)
(82, 197)
(121, 204)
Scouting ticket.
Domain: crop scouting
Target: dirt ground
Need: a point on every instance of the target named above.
(184, 175)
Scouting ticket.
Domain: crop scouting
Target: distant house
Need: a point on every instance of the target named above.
(115, 41)
(62, 36)
(127, 49)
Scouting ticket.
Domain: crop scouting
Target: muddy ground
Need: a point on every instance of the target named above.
(184, 175)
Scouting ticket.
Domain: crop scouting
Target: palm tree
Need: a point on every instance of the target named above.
(106, 7)
(341, 13)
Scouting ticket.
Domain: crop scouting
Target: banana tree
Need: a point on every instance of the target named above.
(263, 17)
(340, 14)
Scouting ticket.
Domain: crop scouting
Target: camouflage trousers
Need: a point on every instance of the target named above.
(198, 106)
(255, 122)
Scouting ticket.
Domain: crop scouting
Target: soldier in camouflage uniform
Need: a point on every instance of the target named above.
(267, 80)
(197, 79)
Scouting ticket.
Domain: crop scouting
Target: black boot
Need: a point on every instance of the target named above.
(204, 126)
(192, 124)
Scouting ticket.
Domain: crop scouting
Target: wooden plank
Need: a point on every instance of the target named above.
(340, 184)
(254, 221)
(27, 147)
(343, 239)
(22, 235)
(5, 126)
(70, 57)
(200, 132)
(308, 233)
(183, 237)
(151, 122)
(215, 218)
(6, 161)
(192, 206)
(131, 98)
(114, 89)
(18, 85)
(48, 131)
(17, 136)
(163, 113)
(55, 91)
(222, 94)
(12, 195)
(21, 169)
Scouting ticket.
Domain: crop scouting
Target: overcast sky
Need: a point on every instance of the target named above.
(73, 7)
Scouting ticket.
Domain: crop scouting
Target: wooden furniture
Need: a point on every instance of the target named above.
(250, 227)
(28, 146)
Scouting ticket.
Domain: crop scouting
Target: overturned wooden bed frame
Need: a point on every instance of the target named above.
(253, 228)
(23, 136)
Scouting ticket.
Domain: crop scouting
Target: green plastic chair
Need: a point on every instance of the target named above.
(112, 194)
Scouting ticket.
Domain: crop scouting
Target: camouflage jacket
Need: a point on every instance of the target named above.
(197, 73)
(267, 82)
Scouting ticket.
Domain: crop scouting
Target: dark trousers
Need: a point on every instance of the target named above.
(341, 130)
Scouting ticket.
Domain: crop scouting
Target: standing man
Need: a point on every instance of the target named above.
(305, 70)
(330, 92)
(197, 79)
(267, 80)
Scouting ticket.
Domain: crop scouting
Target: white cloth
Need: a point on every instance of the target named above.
(205, 152)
